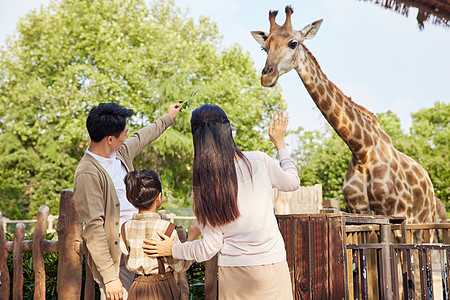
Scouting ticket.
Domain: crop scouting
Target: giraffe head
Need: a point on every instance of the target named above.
(283, 46)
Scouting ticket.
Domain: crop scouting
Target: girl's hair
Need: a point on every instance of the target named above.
(214, 179)
(143, 187)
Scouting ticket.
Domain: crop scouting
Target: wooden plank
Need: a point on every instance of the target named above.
(38, 255)
(181, 278)
(444, 269)
(69, 228)
(336, 258)
(372, 267)
(423, 274)
(355, 272)
(446, 238)
(46, 246)
(302, 262)
(349, 265)
(319, 257)
(410, 284)
(363, 266)
(285, 226)
(429, 274)
(427, 226)
(4, 272)
(19, 236)
(211, 278)
(89, 284)
(395, 270)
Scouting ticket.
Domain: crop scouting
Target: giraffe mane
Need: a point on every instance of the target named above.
(361, 108)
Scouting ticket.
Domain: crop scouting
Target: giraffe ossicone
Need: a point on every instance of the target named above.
(379, 178)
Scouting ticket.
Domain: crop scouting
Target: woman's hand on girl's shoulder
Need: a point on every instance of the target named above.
(155, 248)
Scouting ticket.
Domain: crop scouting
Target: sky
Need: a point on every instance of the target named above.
(377, 57)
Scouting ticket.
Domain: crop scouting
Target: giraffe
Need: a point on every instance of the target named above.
(379, 177)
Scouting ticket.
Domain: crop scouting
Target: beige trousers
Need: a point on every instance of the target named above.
(268, 282)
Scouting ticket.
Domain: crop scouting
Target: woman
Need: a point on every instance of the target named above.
(233, 205)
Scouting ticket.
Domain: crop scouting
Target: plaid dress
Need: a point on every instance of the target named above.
(148, 284)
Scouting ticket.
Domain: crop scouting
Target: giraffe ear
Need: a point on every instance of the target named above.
(260, 36)
(310, 30)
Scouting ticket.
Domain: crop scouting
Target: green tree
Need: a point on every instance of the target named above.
(72, 55)
(432, 127)
(322, 157)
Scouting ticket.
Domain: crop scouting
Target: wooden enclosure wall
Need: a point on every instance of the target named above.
(315, 247)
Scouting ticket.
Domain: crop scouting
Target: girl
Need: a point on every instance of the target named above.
(233, 205)
(154, 277)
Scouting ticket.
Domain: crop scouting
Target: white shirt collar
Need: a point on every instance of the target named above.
(102, 159)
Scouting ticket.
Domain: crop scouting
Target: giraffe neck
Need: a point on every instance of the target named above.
(353, 123)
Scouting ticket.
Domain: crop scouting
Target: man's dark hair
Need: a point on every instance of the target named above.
(107, 119)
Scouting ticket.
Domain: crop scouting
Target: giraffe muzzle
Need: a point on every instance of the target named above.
(269, 76)
(269, 81)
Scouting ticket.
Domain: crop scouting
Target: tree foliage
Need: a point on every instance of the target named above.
(71, 55)
(322, 157)
(432, 127)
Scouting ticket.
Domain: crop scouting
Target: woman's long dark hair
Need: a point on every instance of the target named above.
(214, 179)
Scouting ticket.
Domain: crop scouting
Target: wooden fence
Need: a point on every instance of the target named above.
(328, 257)
(71, 251)
(343, 256)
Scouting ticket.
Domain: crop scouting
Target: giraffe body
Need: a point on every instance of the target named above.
(379, 178)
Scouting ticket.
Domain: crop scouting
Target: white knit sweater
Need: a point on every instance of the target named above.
(253, 238)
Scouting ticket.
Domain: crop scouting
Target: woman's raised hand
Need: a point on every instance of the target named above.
(277, 129)
(194, 231)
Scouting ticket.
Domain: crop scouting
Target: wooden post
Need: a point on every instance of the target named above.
(319, 256)
(19, 235)
(38, 258)
(211, 279)
(4, 272)
(89, 285)
(300, 239)
(387, 293)
(336, 257)
(182, 277)
(69, 228)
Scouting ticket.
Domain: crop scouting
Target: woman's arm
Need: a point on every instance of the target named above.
(284, 176)
(199, 250)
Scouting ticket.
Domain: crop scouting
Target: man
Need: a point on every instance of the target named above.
(99, 190)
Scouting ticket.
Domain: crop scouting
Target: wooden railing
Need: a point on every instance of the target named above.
(50, 222)
(69, 247)
(328, 256)
(71, 251)
(380, 256)
(52, 218)
(344, 256)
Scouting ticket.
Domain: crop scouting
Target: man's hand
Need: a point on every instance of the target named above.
(277, 130)
(173, 110)
(114, 290)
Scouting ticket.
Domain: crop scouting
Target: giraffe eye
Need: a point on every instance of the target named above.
(292, 45)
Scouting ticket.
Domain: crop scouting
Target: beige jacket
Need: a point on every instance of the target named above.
(97, 204)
